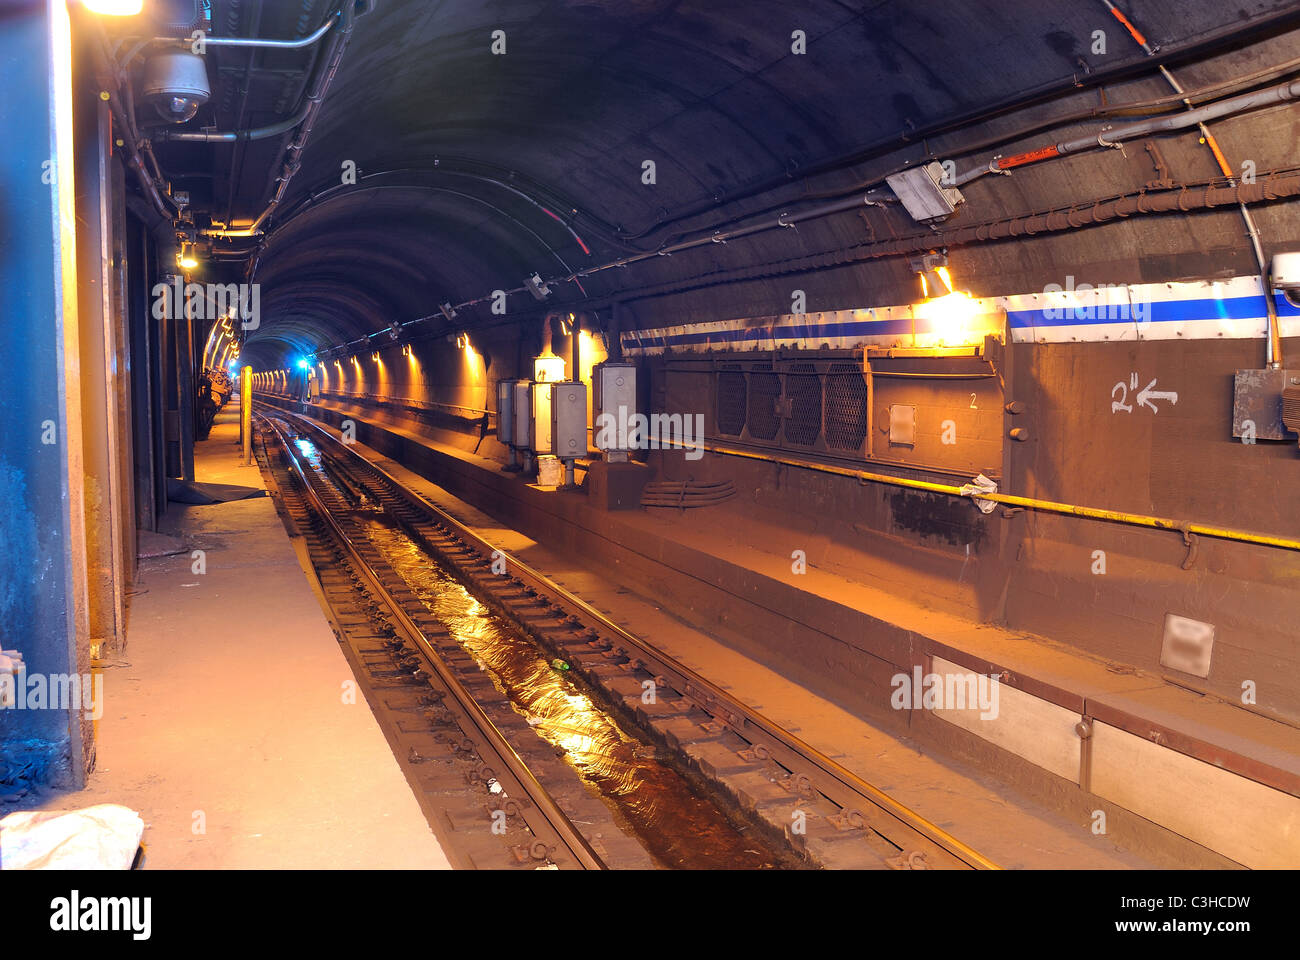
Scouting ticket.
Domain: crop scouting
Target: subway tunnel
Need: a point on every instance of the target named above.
(653, 435)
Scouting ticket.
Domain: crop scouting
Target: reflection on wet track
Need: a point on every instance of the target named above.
(679, 827)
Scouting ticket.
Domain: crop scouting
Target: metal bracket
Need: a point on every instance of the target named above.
(914, 860)
(1193, 543)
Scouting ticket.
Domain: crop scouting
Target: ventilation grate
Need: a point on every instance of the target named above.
(846, 407)
(764, 394)
(732, 398)
(803, 390)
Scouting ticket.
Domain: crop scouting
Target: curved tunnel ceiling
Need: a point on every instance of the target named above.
(475, 169)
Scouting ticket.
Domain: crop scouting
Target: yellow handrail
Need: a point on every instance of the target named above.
(1117, 516)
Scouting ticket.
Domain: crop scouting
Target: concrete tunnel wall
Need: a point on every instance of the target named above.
(345, 263)
(1032, 571)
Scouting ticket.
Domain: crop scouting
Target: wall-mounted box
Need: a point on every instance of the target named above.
(539, 410)
(506, 411)
(569, 419)
(613, 386)
(521, 433)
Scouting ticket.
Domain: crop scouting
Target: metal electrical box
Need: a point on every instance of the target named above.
(505, 411)
(925, 192)
(569, 419)
(539, 417)
(520, 432)
(613, 387)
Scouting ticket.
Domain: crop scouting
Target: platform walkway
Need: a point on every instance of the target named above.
(224, 721)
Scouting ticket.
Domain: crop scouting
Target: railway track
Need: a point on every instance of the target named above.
(830, 814)
(412, 672)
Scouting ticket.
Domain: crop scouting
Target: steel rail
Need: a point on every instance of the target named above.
(560, 825)
(841, 786)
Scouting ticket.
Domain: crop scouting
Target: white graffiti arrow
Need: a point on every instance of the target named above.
(1147, 396)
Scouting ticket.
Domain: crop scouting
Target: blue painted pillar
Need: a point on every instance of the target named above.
(43, 593)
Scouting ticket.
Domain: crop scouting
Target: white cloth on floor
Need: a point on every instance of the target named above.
(103, 837)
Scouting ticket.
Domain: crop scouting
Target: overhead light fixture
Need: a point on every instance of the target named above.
(447, 311)
(176, 83)
(114, 8)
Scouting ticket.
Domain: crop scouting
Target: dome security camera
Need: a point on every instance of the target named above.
(176, 83)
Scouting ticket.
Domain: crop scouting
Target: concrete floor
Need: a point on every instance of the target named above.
(225, 724)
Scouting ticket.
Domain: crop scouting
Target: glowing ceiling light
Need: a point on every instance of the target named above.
(114, 8)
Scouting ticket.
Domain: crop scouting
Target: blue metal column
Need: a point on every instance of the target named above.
(43, 605)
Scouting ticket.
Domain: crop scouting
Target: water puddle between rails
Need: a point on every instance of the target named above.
(677, 826)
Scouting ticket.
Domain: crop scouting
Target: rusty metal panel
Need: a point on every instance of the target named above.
(957, 425)
(1257, 399)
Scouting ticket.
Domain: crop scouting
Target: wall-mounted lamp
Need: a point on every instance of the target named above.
(462, 340)
(186, 259)
(935, 278)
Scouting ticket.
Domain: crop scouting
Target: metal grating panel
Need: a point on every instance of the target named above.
(764, 393)
(732, 399)
(803, 389)
(846, 407)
